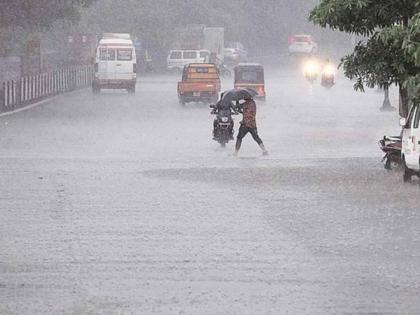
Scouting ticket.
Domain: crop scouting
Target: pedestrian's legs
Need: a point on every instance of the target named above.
(241, 133)
(254, 133)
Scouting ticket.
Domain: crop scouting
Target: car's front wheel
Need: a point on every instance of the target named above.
(408, 174)
(182, 100)
(95, 88)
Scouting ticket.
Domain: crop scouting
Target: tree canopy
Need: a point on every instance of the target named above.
(363, 17)
(411, 46)
(39, 14)
(383, 59)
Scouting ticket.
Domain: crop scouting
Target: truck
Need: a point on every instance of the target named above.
(201, 37)
(200, 83)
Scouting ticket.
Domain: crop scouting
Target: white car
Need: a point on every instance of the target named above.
(235, 52)
(302, 44)
(178, 59)
(410, 151)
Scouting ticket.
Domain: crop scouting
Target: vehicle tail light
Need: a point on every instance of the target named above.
(134, 67)
(291, 40)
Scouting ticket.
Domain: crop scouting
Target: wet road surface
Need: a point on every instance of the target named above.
(122, 204)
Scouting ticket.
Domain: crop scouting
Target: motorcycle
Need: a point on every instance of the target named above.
(328, 76)
(311, 70)
(327, 81)
(224, 71)
(391, 146)
(222, 125)
(311, 77)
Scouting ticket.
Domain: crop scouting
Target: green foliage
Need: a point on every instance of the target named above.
(373, 64)
(362, 17)
(390, 54)
(411, 47)
(39, 14)
(412, 40)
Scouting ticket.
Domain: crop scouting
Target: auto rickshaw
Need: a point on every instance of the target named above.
(250, 75)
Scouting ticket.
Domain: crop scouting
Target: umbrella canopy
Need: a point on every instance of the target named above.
(238, 95)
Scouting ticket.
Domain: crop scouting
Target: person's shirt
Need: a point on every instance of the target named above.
(249, 111)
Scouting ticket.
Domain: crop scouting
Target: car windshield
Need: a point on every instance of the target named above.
(202, 70)
(176, 55)
(190, 54)
(250, 76)
(125, 54)
(204, 54)
(301, 39)
(106, 54)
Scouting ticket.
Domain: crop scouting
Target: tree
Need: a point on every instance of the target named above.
(411, 47)
(381, 61)
(39, 14)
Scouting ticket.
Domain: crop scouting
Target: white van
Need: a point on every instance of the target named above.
(410, 151)
(178, 59)
(115, 64)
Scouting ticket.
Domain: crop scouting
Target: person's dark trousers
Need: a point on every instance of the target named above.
(243, 130)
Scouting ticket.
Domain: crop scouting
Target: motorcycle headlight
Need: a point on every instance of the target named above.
(311, 67)
(329, 70)
(225, 119)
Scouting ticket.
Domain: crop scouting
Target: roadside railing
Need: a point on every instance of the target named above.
(32, 89)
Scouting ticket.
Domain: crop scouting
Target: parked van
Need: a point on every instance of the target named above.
(115, 63)
(178, 59)
(410, 152)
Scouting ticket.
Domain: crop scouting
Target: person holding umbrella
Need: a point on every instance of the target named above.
(249, 124)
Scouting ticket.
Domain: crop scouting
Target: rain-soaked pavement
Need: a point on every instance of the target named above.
(121, 204)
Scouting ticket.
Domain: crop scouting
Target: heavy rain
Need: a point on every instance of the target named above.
(209, 157)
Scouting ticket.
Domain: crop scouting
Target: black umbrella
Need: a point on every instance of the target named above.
(238, 95)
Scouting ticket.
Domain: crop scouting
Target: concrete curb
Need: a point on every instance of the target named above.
(27, 107)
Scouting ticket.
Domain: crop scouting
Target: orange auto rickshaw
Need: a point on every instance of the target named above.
(250, 75)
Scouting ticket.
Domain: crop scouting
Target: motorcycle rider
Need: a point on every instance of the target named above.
(328, 72)
(221, 67)
(249, 124)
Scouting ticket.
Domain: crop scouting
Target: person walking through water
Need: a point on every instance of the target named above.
(249, 124)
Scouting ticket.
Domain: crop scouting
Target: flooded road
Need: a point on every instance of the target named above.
(122, 204)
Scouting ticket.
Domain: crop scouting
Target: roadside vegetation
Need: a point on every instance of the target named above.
(390, 52)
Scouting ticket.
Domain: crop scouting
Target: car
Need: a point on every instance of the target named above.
(200, 83)
(410, 150)
(235, 52)
(302, 44)
(178, 59)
